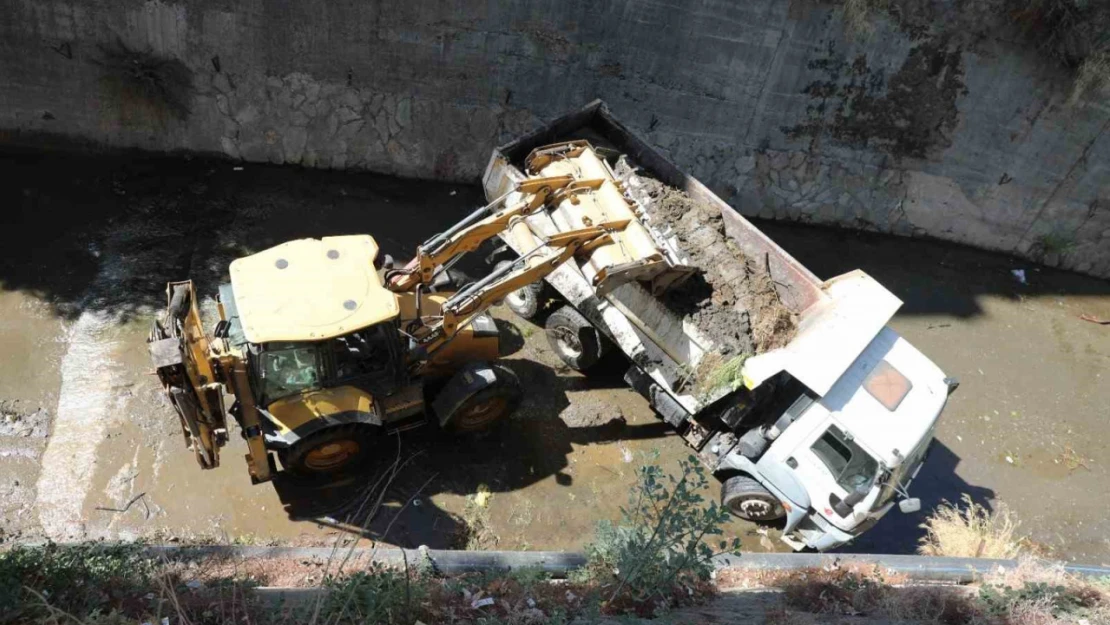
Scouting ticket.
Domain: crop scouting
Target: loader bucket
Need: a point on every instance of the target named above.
(597, 197)
(179, 352)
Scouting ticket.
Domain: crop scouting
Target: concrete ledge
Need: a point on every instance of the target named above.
(558, 563)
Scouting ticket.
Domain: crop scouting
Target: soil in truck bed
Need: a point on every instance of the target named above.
(732, 299)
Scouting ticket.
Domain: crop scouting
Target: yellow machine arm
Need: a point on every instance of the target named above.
(547, 254)
(478, 227)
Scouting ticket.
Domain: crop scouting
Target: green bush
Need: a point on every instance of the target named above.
(89, 579)
(999, 600)
(378, 595)
(658, 550)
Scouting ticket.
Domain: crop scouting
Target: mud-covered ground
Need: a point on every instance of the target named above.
(89, 449)
(89, 244)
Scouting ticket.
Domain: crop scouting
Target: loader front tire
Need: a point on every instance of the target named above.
(489, 406)
(574, 339)
(333, 451)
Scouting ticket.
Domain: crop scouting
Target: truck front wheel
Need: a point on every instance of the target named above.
(749, 500)
(525, 301)
(574, 339)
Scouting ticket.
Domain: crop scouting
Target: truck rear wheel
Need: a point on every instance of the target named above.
(525, 301)
(749, 500)
(489, 406)
(574, 339)
(333, 451)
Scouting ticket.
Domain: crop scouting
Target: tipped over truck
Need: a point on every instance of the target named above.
(792, 390)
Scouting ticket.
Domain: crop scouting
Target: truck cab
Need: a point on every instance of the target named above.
(849, 454)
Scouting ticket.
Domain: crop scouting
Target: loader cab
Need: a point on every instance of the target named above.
(369, 359)
(313, 312)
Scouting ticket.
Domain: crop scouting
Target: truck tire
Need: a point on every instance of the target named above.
(331, 452)
(489, 406)
(749, 500)
(574, 339)
(525, 301)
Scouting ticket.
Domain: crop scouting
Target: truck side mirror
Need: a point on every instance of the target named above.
(909, 506)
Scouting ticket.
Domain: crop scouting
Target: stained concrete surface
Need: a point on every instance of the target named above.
(945, 119)
(89, 242)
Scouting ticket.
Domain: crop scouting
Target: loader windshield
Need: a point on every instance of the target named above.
(289, 370)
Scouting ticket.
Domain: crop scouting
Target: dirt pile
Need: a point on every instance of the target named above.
(732, 298)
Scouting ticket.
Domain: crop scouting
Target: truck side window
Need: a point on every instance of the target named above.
(850, 465)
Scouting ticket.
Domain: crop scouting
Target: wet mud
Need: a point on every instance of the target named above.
(90, 242)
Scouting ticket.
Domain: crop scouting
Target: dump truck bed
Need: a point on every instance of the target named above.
(663, 344)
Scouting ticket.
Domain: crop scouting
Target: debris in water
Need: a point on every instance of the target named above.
(481, 603)
(1019, 275)
(1094, 319)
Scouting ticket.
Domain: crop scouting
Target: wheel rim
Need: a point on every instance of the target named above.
(517, 298)
(482, 414)
(568, 341)
(754, 508)
(331, 455)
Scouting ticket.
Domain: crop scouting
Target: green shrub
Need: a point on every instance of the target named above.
(84, 579)
(658, 551)
(1000, 600)
(377, 595)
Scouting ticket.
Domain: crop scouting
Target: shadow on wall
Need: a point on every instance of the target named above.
(936, 482)
(931, 277)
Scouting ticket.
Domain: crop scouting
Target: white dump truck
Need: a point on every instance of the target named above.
(822, 434)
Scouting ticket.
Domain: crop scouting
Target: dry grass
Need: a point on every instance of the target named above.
(1093, 75)
(859, 16)
(971, 532)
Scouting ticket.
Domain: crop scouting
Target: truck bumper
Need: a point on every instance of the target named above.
(817, 533)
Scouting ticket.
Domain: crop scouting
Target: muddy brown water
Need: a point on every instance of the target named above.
(89, 243)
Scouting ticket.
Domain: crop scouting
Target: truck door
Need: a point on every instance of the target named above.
(832, 465)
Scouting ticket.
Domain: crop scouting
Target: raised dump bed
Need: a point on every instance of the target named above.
(728, 336)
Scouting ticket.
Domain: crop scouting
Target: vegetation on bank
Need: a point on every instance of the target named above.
(657, 557)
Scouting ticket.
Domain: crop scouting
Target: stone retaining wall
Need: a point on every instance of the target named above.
(965, 134)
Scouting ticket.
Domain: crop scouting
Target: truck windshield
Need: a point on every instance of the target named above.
(851, 466)
(288, 371)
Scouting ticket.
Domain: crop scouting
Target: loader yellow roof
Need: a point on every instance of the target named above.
(311, 289)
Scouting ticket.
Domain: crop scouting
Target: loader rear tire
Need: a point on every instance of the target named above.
(574, 339)
(525, 301)
(330, 452)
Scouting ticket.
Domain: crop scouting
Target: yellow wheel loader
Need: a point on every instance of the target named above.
(322, 346)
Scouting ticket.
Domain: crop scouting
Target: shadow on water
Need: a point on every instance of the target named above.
(107, 232)
(531, 447)
(936, 482)
(931, 277)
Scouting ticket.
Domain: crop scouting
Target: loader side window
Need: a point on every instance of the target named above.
(367, 359)
(289, 371)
